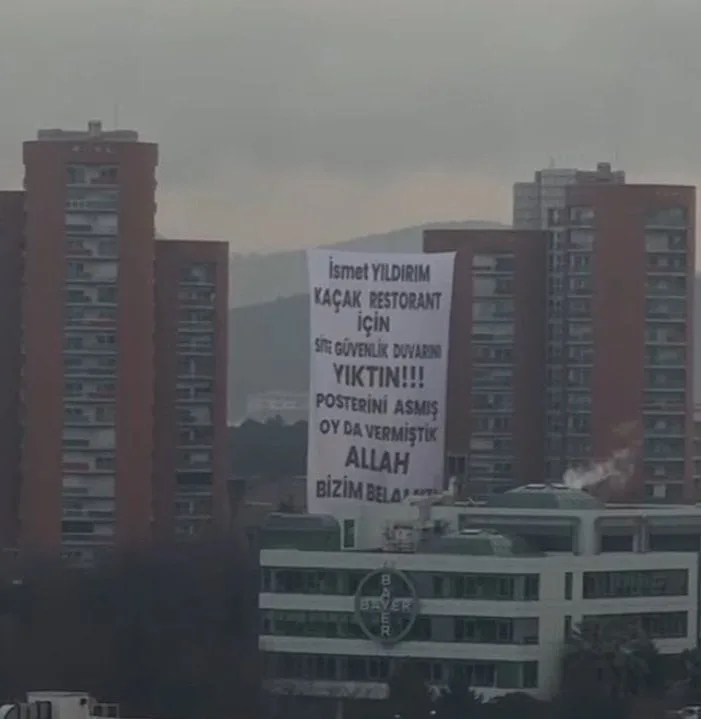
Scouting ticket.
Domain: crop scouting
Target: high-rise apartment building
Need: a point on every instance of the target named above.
(619, 341)
(114, 380)
(534, 200)
(11, 260)
(190, 480)
(494, 430)
(87, 341)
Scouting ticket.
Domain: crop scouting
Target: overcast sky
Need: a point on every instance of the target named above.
(284, 123)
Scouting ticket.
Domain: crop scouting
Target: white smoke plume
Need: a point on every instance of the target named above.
(616, 470)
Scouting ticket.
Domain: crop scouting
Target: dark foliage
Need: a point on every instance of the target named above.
(268, 449)
(166, 634)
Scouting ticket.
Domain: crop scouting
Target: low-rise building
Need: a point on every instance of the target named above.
(485, 595)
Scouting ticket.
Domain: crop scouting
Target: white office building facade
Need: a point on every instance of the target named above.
(345, 601)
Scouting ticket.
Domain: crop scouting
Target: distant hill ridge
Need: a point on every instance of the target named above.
(269, 327)
(263, 278)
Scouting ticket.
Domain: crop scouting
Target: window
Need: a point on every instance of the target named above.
(666, 263)
(496, 630)
(105, 463)
(655, 625)
(91, 175)
(673, 378)
(75, 270)
(493, 310)
(491, 354)
(492, 400)
(579, 285)
(665, 241)
(580, 354)
(666, 356)
(666, 307)
(582, 216)
(643, 583)
(494, 332)
(667, 217)
(666, 286)
(456, 464)
(578, 423)
(568, 585)
(579, 307)
(530, 675)
(579, 377)
(579, 331)
(107, 248)
(665, 334)
(581, 241)
(664, 447)
(348, 533)
(500, 377)
(200, 272)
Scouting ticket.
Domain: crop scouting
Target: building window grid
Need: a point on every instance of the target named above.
(193, 507)
(665, 325)
(501, 674)
(90, 302)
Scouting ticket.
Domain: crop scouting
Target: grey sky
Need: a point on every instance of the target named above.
(284, 123)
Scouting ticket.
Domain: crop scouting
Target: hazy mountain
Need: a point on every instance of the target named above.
(262, 278)
(269, 329)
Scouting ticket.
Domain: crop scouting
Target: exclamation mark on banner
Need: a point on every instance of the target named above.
(404, 377)
(421, 376)
(412, 372)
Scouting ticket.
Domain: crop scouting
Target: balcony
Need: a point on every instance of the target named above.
(79, 465)
(82, 223)
(92, 248)
(93, 272)
(200, 274)
(92, 175)
(95, 391)
(91, 297)
(92, 200)
(89, 415)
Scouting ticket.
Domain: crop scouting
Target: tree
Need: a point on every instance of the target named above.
(516, 704)
(616, 656)
(409, 695)
(459, 701)
(268, 449)
(166, 633)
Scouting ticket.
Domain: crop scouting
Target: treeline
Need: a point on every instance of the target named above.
(268, 449)
(612, 672)
(168, 633)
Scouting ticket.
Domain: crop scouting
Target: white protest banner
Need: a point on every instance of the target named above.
(380, 326)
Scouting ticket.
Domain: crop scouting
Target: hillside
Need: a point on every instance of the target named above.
(262, 278)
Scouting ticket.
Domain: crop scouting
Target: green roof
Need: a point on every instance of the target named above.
(545, 496)
(477, 543)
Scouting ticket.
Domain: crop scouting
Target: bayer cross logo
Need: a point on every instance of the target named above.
(386, 605)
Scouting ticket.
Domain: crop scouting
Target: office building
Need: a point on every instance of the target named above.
(87, 342)
(345, 600)
(494, 428)
(534, 200)
(621, 264)
(191, 445)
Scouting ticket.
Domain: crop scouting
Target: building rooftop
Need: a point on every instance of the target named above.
(545, 496)
(478, 543)
(94, 132)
